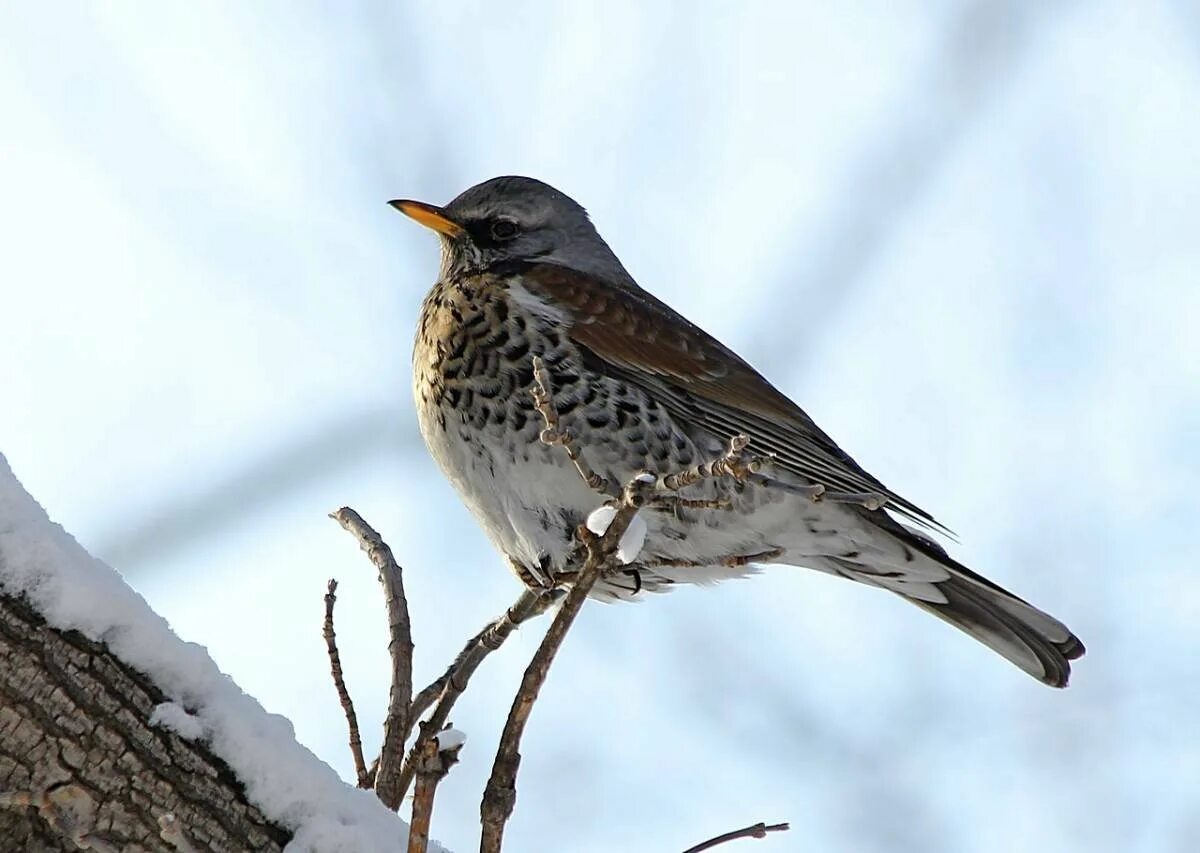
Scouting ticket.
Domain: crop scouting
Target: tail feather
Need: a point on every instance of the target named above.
(1032, 640)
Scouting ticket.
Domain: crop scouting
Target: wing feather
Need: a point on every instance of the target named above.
(700, 381)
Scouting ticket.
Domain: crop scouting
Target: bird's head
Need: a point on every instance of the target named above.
(515, 219)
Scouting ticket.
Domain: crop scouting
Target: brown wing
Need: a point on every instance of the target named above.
(699, 380)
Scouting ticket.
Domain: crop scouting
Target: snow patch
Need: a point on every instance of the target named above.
(173, 716)
(632, 540)
(294, 788)
(450, 739)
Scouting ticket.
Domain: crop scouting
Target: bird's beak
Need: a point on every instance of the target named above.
(428, 215)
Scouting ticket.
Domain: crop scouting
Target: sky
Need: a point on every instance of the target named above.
(961, 235)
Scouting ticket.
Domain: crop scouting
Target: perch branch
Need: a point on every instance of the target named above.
(759, 830)
(500, 795)
(453, 682)
(398, 723)
(335, 668)
(433, 763)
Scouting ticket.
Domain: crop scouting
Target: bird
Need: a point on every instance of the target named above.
(525, 275)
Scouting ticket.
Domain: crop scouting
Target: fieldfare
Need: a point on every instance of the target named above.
(523, 274)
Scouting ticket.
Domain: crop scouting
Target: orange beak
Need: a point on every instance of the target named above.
(428, 215)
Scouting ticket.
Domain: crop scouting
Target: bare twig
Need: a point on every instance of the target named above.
(759, 830)
(433, 763)
(335, 668)
(398, 723)
(735, 463)
(543, 401)
(500, 795)
(454, 681)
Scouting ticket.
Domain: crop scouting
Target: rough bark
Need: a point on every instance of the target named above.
(74, 718)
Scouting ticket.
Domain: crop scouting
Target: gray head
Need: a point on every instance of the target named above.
(513, 219)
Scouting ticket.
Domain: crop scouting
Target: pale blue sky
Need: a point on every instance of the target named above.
(962, 235)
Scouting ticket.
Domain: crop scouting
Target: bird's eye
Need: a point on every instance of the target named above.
(504, 229)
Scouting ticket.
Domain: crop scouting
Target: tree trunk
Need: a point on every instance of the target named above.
(75, 736)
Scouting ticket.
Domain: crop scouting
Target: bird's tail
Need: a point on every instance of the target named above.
(1033, 640)
(934, 581)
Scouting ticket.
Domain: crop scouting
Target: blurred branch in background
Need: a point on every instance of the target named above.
(983, 46)
(213, 504)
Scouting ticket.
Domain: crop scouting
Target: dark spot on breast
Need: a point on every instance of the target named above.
(518, 351)
(566, 405)
(477, 319)
(525, 376)
(598, 420)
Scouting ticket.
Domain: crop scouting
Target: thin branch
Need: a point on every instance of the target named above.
(433, 763)
(759, 830)
(335, 668)
(398, 723)
(500, 795)
(733, 463)
(454, 681)
(543, 401)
